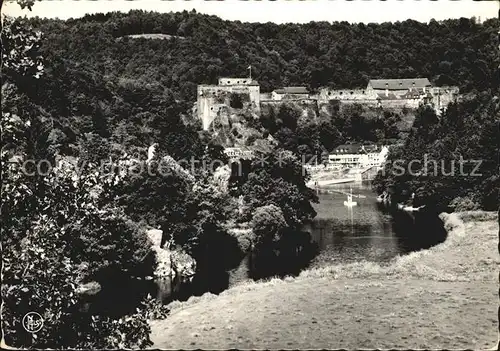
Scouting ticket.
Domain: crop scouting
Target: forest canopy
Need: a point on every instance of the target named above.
(135, 91)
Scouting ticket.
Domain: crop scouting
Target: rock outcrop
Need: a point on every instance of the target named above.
(183, 265)
(162, 256)
(171, 262)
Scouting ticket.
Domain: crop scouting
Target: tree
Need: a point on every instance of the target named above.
(268, 224)
(44, 212)
(279, 181)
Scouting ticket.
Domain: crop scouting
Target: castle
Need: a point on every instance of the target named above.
(239, 93)
(394, 93)
(229, 93)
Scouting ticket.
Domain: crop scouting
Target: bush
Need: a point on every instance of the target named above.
(463, 204)
(268, 224)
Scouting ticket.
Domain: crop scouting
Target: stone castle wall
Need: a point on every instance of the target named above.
(441, 97)
(212, 99)
(401, 103)
(327, 94)
(235, 81)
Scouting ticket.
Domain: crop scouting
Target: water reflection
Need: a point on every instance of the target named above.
(369, 231)
(288, 257)
(339, 234)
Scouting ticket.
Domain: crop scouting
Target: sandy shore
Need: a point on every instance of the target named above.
(444, 297)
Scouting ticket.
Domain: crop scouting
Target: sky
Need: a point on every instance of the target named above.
(280, 11)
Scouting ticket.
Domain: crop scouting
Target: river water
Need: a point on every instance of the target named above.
(368, 231)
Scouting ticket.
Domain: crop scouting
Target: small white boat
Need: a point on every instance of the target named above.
(412, 209)
(349, 201)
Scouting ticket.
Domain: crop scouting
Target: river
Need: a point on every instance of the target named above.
(339, 234)
(368, 231)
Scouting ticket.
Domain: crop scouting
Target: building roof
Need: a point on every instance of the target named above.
(348, 149)
(399, 84)
(370, 148)
(237, 81)
(355, 149)
(292, 90)
(389, 96)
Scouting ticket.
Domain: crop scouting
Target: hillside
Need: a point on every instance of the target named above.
(100, 94)
(135, 91)
(441, 298)
(341, 55)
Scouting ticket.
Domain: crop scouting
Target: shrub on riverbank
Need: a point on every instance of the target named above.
(268, 224)
(244, 236)
(478, 216)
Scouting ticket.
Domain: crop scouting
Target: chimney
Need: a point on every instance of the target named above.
(386, 89)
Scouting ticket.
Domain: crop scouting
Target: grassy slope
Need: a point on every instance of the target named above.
(445, 297)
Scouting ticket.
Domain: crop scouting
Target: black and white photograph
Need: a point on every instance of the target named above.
(250, 174)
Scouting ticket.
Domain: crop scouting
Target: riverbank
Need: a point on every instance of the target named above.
(444, 297)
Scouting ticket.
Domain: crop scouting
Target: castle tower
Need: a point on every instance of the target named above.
(212, 99)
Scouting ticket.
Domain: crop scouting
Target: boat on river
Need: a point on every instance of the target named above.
(412, 209)
(349, 202)
(325, 182)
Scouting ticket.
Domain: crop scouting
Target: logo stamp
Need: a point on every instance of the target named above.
(32, 322)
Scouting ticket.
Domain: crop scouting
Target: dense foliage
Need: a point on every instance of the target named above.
(451, 161)
(84, 89)
(315, 136)
(55, 234)
(275, 178)
(203, 47)
(133, 91)
(277, 203)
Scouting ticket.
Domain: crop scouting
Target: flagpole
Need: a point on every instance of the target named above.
(250, 68)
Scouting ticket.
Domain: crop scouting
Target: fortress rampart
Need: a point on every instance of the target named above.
(213, 100)
(327, 94)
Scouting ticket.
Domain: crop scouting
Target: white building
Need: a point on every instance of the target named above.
(236, 153)
(358, 156)
(290, 93)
